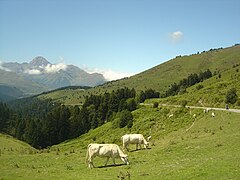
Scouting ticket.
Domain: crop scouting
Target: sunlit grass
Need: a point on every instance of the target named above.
(200, 148)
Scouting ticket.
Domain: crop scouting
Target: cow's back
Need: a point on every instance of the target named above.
(106, 150)
(135, 138)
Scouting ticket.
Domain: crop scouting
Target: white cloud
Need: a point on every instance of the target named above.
(33, 71)
(176, 36)
(3, 68)
(109, 75)
(53, 68)
(50, 68)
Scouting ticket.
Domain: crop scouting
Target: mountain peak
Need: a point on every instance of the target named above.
(39, 61)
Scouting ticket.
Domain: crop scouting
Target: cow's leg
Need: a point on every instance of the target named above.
(107, 161)
(127, 147)
(137, 146)
(90, 163)
(113, 161)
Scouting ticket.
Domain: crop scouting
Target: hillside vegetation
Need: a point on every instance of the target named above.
(182, 147)
(10, 145)
(209, 93)
(162, 76)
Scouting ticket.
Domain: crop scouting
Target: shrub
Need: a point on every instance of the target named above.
(115, 123)
(124, 118)
(200, 86)
(155, 104)
(183, 103)
(238, 102)
(231, 96)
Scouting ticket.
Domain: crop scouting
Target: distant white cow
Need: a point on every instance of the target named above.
(206, 110)
(105, 150)
(137, 139)
(213, 114)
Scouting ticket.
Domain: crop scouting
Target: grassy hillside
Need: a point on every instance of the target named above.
(212, 93)
(10, 145)
(182, 147)
(66, 96)
(163, 75)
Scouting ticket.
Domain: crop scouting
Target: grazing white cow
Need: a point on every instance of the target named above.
(213, 114)
(206, 110)
(137, 139)
(105, 150)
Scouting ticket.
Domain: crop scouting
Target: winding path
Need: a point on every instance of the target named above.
(196, 107)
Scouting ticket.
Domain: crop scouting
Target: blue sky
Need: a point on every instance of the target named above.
(115, 36)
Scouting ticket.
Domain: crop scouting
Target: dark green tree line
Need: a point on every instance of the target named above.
(148, 94)
(191, 80)
(43, 123)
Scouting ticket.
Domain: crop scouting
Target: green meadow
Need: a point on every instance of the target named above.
(182, 147)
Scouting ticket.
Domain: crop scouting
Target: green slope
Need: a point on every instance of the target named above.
(212, 94)
(163, 75)
(181, 148)
(10, 145)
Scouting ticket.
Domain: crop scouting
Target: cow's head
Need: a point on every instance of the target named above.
(125, 159)
(146, 145)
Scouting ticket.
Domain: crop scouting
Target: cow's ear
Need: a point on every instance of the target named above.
(149, 137)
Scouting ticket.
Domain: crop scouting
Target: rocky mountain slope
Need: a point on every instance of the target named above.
(40, 75)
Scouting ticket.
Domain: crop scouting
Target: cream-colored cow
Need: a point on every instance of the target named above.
(104, 150)
(137, 139)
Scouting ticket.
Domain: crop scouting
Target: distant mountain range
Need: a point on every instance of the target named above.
(40, 75)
